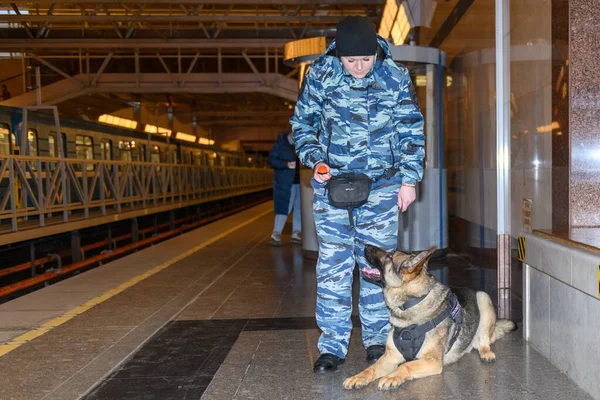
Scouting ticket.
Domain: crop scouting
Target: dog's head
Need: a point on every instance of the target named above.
(397, 268)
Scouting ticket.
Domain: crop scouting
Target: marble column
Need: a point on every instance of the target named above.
(584, 73)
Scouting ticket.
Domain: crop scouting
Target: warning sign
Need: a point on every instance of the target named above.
(521, 248)
(527, 215)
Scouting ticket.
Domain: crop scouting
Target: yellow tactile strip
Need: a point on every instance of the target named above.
(53, 323)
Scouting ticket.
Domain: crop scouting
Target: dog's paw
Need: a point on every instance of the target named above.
(390, 382)
(487, 356)
(356, 382)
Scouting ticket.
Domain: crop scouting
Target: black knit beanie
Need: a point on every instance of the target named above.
(355, 36)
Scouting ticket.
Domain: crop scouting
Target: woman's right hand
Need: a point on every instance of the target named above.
(321, 173)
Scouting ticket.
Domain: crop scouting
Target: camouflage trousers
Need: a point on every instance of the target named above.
(341, 247)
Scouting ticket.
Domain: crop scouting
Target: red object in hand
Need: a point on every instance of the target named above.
(322, 170)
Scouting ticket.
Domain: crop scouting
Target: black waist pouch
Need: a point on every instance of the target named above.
(348, 191)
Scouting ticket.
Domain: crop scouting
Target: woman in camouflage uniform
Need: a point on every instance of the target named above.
(357, 112)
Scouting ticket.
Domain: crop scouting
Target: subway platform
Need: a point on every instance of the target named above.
(217, 313)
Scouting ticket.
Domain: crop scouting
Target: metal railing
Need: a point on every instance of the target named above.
(36, 188)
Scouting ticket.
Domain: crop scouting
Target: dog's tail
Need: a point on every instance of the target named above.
(503, 326)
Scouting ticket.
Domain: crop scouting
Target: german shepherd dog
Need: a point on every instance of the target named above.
(431, 325)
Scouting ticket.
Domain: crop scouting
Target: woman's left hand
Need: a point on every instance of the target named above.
(406, 196)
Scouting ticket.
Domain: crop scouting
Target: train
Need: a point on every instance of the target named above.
(94, 140)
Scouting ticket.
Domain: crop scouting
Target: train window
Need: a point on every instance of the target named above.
(106, 149)
(32, 140)
(155, 155)
(200, 158)
(125, 150)
(4, 139)
(174, 158)
(191, 162)
(212, 160)
(136, 152)
(51, 146)
(84, 146)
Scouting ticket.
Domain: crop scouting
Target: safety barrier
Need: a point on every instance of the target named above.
(37, 188)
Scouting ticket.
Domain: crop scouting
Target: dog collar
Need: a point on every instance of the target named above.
(411, 302)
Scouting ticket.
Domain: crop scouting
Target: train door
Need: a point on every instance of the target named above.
(106, 149)
(8, 146)
(179, 158)
(5, 140)
(142, 148)
(63, 136)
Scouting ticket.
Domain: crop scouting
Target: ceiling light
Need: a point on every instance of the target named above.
(387, 18)
(157, 130)
(548, 128)
(185, 136)
(117, 121)
(401, 26)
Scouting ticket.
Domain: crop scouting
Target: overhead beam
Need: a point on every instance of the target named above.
(163, 83)
(242, 113)
(93, 44)
(44, 31)
(57, 70)
(218, 2)
(261, 122)
(52, 94)
(167, 18)
(102, 68)
(27, 28)
(250, 63)
(451, 22)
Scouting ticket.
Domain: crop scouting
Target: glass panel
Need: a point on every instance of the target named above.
(125, 151)
(51, 146)
(4, 139)
(84, 149)
(155, 155)
(32, 140)
(125, 155)
(106, 149)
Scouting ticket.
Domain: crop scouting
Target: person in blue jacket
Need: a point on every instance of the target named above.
(357, 112)
(286, 187)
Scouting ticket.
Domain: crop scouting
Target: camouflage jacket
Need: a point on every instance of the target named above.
(362, 125)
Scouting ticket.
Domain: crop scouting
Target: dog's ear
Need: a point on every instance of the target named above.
(415, 264)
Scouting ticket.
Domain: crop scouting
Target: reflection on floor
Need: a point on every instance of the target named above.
(257, 340)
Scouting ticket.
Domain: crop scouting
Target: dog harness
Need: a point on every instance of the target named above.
(409, 340)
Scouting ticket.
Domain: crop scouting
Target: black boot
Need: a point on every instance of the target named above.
(374, 352)
(327, 363)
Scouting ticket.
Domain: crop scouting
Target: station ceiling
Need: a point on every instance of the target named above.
(117, 53)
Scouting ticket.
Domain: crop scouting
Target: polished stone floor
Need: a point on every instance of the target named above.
(235, 320)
